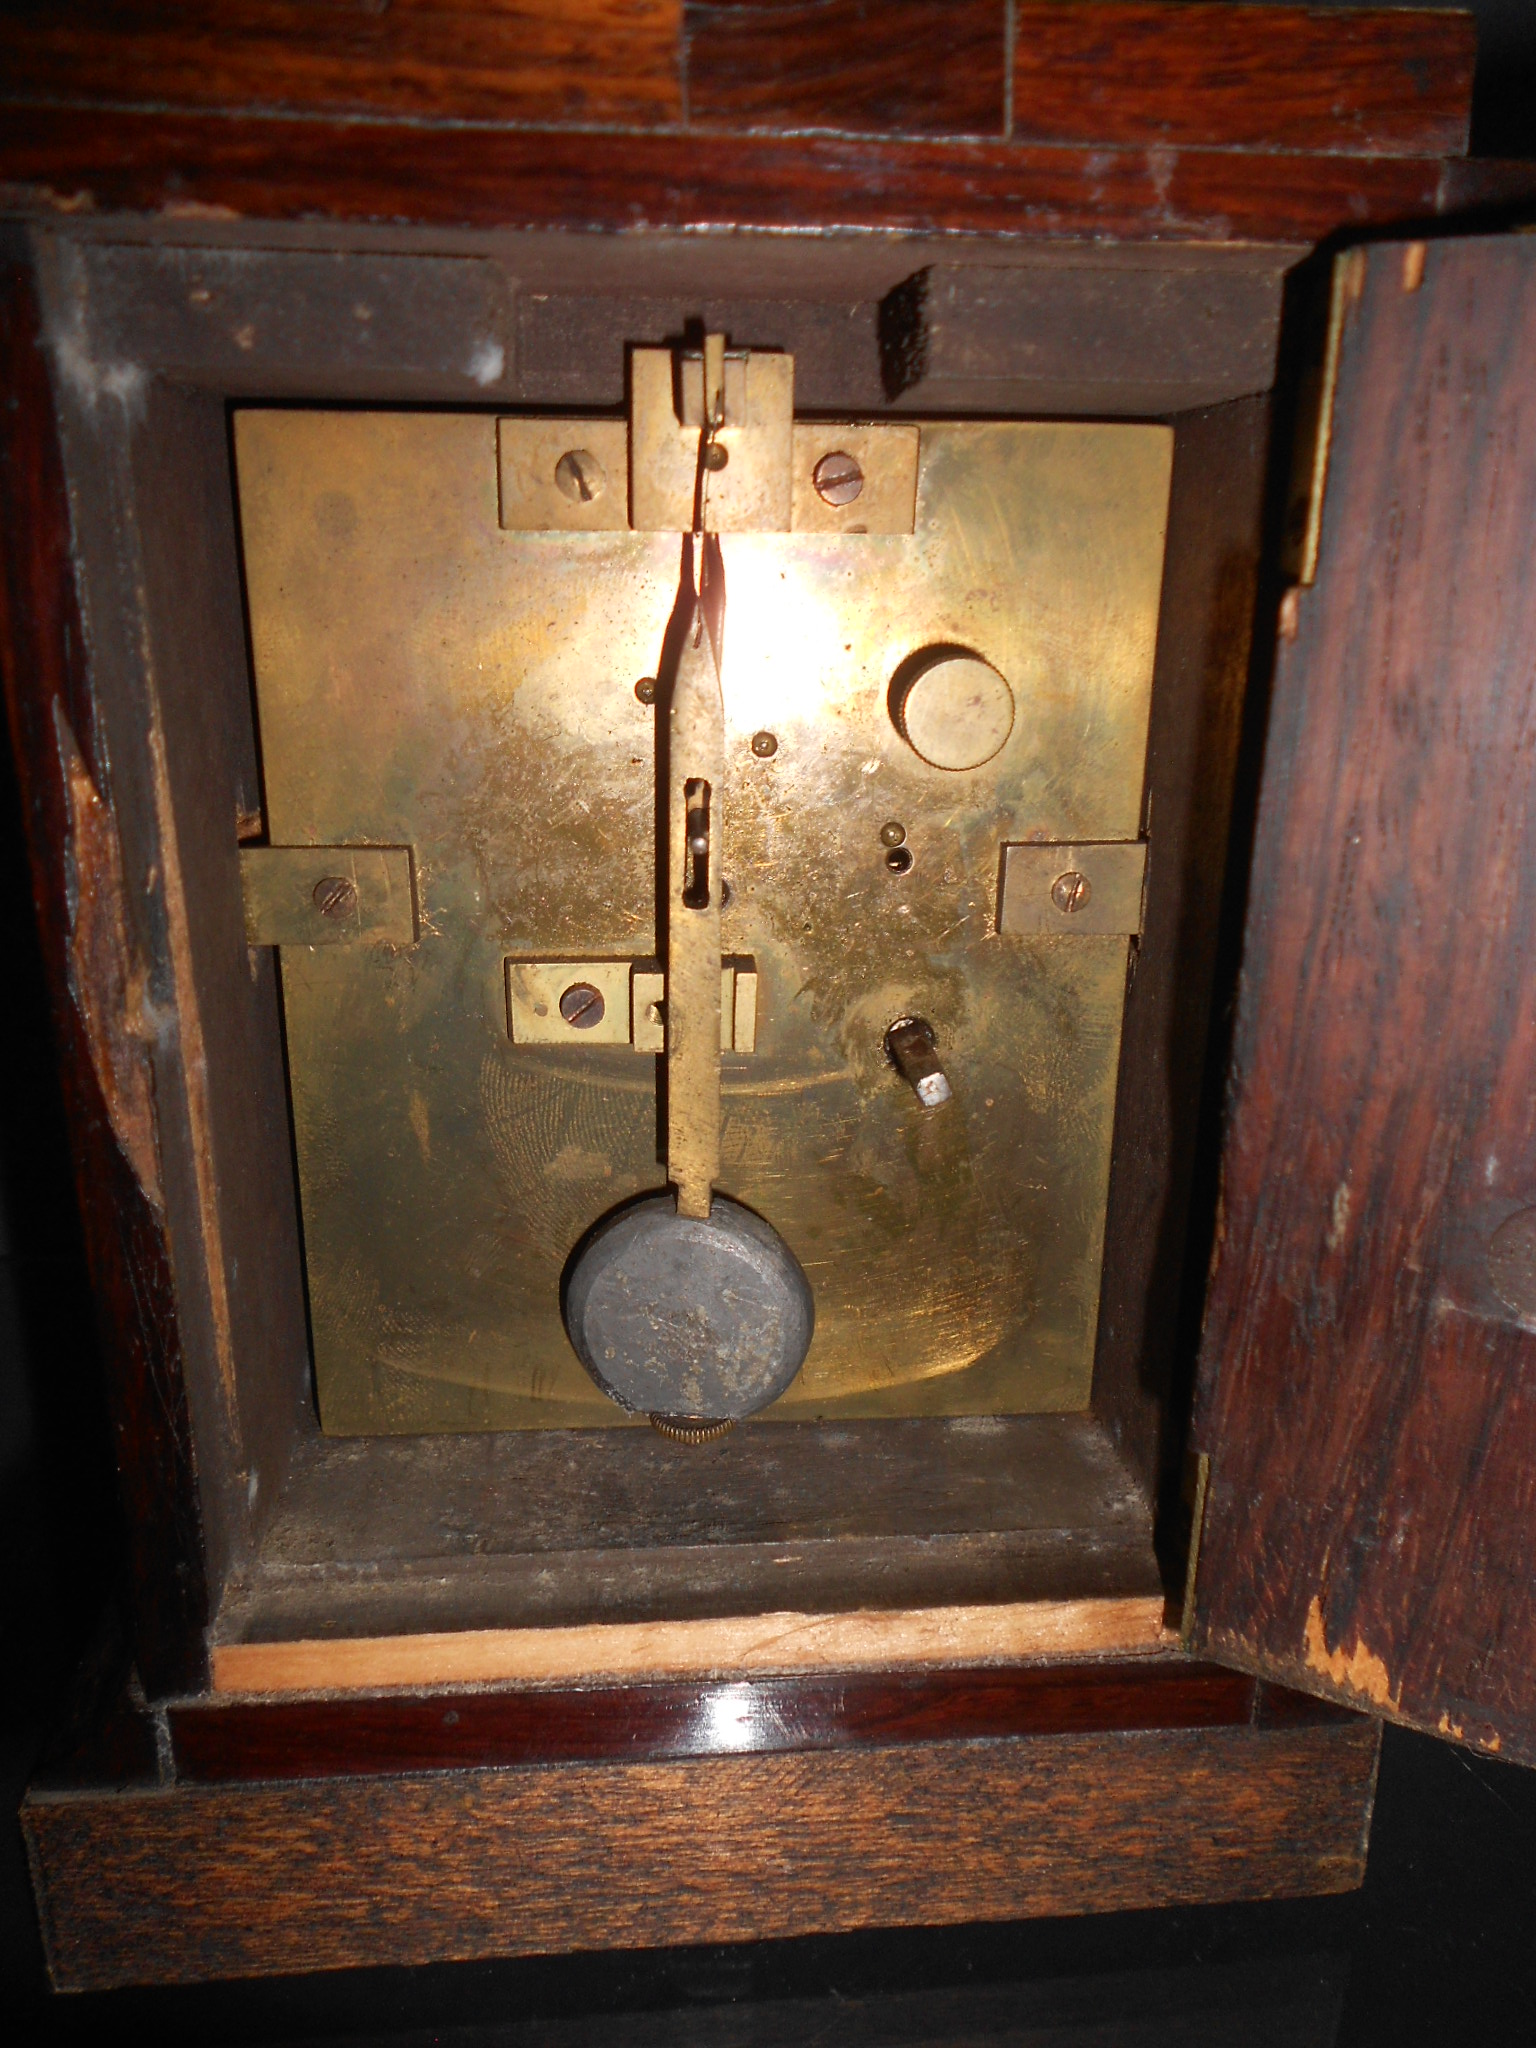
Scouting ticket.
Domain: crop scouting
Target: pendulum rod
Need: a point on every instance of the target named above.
(694, 808)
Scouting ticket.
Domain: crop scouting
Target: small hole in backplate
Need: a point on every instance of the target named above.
(899, 860)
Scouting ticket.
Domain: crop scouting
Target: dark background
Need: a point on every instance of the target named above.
(1440, 1946)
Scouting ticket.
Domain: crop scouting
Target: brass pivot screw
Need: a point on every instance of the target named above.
(838, 479)
(581, 1005)
(580, 476)
(335, 896)
(764, 745)
(893, 833)
(1071, 891)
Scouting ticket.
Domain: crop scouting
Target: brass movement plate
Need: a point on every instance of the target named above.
(427, 679)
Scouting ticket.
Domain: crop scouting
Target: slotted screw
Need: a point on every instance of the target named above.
(838, 478)
(1071, 891)
(580, 476)
(581, 1005)
(335, 896)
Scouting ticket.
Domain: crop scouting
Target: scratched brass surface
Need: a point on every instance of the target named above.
(426, 679)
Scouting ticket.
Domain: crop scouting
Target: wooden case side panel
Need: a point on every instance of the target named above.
(259, 1878)
(1368, 1401)
(86, 917)
(1204, 634)
(1369, 82)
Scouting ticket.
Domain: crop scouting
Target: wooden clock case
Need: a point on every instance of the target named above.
(422, 1698)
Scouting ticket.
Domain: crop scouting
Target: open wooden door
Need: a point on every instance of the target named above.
(1368, 1372)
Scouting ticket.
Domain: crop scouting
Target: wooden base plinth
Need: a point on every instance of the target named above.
(197, 1881)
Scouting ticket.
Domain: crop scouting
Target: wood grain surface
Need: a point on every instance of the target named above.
(1368, 82)
(184, 166)
(214, 1740)
(735, 1643)
(923, 67)
(468, 60)
(92, 972)
(1368, 1401)
(247, 1879)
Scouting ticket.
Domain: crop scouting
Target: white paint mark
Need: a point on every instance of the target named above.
(488, 362)
(91, 381)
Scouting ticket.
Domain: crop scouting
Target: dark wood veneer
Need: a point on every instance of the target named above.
(498, 60)
(216, 1740)
(1366, 82)
(1369, 1404)
(189, 166)
(922, 67)
(1370, 82)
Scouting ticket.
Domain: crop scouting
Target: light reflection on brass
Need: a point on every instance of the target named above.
(426, 679)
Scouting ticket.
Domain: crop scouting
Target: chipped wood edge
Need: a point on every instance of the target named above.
(1314, 443)
(1201, 1475)
(729, 1646)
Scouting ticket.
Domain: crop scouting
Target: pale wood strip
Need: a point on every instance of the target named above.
(728, 1646)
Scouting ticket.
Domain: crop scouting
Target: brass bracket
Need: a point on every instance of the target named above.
(1072, 891)
(778, 475)
(752, 491)
(328, 895)
(633, 998)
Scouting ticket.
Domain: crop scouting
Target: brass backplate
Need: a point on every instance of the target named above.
(427, 679)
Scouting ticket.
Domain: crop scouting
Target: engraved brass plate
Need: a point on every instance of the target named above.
(427, 679)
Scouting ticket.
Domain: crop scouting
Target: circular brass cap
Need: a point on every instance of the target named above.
(952, 708)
